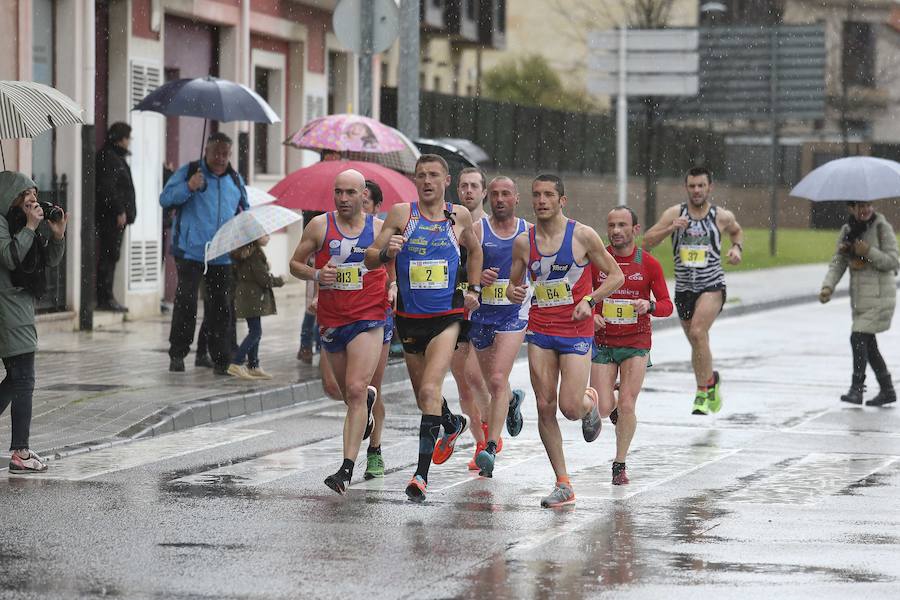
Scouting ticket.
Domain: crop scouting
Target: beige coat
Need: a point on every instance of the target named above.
(873, 287)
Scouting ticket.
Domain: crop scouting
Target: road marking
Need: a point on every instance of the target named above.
(142, 452)
(811, 479)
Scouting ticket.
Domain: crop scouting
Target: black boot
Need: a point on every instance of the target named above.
(886, 394)
(855, 394)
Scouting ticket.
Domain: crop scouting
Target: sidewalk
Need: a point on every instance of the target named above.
(113, 384)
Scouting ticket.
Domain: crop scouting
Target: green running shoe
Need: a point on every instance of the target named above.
(715, 394)
(374, 466)
(701, 403)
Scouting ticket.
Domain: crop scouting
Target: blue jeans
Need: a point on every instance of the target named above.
(249, 348)
(17, 389)
(309, 332)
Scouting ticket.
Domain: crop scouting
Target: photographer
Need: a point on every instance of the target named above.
(867, 245)
(24, 253)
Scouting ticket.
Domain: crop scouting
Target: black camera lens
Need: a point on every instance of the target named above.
(51, 211)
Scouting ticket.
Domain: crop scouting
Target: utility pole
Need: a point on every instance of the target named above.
(367, 31)
(408, 73)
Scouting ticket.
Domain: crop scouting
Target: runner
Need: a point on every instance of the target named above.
(425, 238)
(474, 397)
(696, 228)
(560, 326)
(623, 330)
(498, 326)
(351, 307)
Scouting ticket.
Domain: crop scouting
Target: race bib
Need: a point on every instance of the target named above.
(619, 312)
(495, 294)
(694, 256)
(349, 277)
(428, 274)
(552, 293)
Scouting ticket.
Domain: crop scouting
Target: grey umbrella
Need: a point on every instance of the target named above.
(855, 178)
(28, 109)
(211, 99)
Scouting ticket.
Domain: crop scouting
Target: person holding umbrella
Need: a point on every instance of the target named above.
(205, 194)
(868, 246)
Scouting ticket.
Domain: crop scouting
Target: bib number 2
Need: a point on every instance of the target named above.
(428, 274)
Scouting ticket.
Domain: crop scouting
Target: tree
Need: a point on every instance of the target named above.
(532, 81)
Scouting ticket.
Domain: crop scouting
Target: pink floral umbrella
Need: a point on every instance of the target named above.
(348, 133)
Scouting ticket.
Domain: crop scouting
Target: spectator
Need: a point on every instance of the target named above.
(205, 194)
(116, 208)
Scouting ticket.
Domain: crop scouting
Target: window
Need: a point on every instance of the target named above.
(261, 130)
(500, 24)
(470, 9)
(42, 52)
(437, 84)
(338, 88)
(858, 57)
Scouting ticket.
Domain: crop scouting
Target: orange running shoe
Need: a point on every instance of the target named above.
(444, 447)
(415, 489)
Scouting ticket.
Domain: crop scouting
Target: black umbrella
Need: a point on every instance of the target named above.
(209, 98)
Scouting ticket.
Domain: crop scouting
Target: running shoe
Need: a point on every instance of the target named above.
(561, 495)
(415, 489)
(592, 422)
(514, 419)
(444, 447)
(337, 483)
(484, 428)
(715, 394)
(614, 416)
(619, 476)
(370, 402)
(479, 446)
(374, 466)
(485, 461)
(701, 403)
(23, 466)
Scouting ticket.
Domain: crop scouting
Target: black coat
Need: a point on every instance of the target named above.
(115, 190)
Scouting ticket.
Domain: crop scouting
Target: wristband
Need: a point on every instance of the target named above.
(383, 256)
(590, 300)
(652, 308)
(474, 288)
(316, 274)
(739, 247)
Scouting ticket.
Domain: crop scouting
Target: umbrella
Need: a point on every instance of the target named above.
(348, 133)
(856, 178)
(312, 188)
(258, 197)
(473, 151)
(248, 226)
(210, 98)
(28, 109)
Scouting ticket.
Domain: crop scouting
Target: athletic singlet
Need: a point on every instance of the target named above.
(428, 268)
(559, 284)
(495, 307)
(358, 294)
(697, 251)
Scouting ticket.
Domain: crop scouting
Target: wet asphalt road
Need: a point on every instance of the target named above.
(786, 492)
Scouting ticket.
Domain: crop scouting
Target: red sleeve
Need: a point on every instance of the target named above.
(660, 290)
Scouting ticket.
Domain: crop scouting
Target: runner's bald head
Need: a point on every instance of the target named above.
(350, 178)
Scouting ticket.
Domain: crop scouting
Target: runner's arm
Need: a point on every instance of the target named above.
(392, 225)
(603, 260)
(311, 241)
(728, 223)
(517, 270)
(660, 291)
(663, 228)
(475, 257)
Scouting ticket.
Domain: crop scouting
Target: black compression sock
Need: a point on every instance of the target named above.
(429, 430)
(346, 469)
(447, 419)
(618, 467)
(374, 450)
(491, 447)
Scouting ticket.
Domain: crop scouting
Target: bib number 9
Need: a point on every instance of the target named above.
(619, 312)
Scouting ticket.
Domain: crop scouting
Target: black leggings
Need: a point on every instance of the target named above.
(17, 388)
(865, 350)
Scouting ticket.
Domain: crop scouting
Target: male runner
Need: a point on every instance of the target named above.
(696, 228)
(351, 306)
(556, 253)
(425, 238)
(498, 326)
(623, 330)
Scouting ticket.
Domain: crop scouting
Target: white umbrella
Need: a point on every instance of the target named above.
(856, 178)
(248, 226)
(28, 109)
(258, 197)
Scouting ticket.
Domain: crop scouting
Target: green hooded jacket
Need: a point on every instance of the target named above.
(17, 332)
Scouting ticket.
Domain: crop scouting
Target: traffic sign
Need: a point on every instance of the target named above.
(348, 26)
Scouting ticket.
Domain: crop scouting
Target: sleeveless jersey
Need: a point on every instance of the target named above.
(495, 307)
(559, 284)
(358, 294)
(697, 250)
(428, 268)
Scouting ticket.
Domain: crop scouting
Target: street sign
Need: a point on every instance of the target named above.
(635, 62)
(649, 40)
(647, 85)
(347, 22)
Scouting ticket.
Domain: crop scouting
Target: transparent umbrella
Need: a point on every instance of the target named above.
(248, 226)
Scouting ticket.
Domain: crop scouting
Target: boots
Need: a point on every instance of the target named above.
(855, 394)
(886, 394)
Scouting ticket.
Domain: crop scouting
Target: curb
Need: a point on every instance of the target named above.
(223, 407)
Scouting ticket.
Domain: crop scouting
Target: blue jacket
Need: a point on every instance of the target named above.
(200, 214)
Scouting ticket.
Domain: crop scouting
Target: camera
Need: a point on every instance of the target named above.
(52, 212)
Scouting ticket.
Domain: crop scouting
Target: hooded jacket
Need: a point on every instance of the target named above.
(200, 214)
(17, 332)
(115, 189)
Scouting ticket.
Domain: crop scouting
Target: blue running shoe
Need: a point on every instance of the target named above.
(485, 461)
(514, 420)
